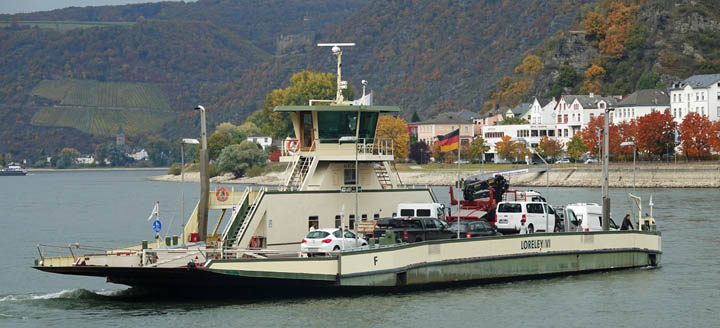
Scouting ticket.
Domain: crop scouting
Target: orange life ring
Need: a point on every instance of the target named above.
(254, 242)
(222, 194)
(292, 145)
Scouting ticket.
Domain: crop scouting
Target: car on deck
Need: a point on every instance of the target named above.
(325, 241)
(472, 229)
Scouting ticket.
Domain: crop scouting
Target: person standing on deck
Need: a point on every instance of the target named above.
(626, 223)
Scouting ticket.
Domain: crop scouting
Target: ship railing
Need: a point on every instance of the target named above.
(71, 252)
(365, 146)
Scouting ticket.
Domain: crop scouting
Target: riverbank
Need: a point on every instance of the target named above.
(164, 169)
(686, 175)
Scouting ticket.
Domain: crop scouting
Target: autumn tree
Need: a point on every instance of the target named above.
(619, 21)
(478, 149)
(530, 66)
(590, 136)
(656, 133)
(504, 147)
(396, 129)
(595, 25)
(628, 132)
(215, 143)
(303, 87)
(695, 135)
(715, 136)
(549, 148)
(594, 77)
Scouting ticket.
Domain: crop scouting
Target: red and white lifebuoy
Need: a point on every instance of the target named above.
(222, 194)
(292, 145)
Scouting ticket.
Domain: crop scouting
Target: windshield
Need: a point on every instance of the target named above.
(454, 227)
(317, 234)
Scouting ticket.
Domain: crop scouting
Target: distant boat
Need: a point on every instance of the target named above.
(13, 170)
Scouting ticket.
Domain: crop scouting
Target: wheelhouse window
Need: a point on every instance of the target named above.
(334, 125)
(368, 123)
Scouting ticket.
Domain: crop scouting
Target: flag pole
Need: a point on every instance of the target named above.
(157, 218)
(458, 177)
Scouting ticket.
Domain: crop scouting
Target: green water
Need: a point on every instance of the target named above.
(111, 209)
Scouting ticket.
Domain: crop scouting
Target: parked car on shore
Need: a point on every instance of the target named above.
(563, 161)
(591, 161)
(323, 241)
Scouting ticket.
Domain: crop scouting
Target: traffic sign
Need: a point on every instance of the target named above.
(157, 226)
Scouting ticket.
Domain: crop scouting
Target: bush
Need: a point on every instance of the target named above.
(255, 171)
(213, 170)
(175, 169)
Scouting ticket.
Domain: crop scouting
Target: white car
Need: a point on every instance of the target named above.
(563, 161)
(323, 241)
(511, 216)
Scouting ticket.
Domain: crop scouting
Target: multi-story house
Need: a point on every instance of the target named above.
(699, 94)
(541, 111)
(443, 124)
(576, 111)
(640, 103)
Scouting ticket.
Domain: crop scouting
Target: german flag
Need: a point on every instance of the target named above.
(449, 141)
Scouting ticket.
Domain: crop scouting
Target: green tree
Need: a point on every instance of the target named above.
(567, 77)
(415, 117)
(420, 152)
(576, 148)
(303, 87)
(216, 143)
(67, 157)
(238, 158)
(478, 149)
(513, 120)
(158, 150)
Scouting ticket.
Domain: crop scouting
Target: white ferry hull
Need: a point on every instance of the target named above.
(425, 264)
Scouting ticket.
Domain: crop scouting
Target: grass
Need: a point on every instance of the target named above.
(101, 107)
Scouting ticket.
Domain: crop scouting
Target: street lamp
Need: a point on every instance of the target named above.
(183, 142)
(632, 144)
(547, 180)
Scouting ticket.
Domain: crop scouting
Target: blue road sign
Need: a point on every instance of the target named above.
(157, 226)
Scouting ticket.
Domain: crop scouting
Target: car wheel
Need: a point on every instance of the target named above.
(309, 255)
(531, 229)
(336, 248)
(363, 245)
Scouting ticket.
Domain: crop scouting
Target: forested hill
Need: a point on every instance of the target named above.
(427, 56)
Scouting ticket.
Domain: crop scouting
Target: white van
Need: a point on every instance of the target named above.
(508, 217)
(588, 217)
(431, 210)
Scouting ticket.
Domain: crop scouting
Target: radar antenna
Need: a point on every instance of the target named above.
(341, 85)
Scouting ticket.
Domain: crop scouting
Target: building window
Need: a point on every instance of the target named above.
(702, 96)
(533, 133)
(551, 133)
(566, 118)
(376, 216)
(363, 217)
(351, 226)
(566, 132)
(313, 223)
(350, 176)
(543, 133)
(576, 106)
(559, 118)
(338, 221)
(466, 129)
(602, 105)
(592, 116)
(697, 96)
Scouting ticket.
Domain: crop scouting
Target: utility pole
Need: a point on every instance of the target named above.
(605, 160)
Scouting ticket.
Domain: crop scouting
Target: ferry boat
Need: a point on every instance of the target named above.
(339, 175)
(13, 170)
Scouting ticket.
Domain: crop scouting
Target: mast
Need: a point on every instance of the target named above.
(204, 180)
(605, 159)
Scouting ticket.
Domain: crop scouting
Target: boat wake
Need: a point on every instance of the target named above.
(72, 294)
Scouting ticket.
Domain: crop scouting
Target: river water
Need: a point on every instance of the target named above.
(110, 208)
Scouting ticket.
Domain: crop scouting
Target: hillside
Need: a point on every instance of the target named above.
(427, 56)
(640, 45)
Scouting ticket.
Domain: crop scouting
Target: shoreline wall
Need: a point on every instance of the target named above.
(620, 176)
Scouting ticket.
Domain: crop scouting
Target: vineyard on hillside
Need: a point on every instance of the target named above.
(101, 107)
